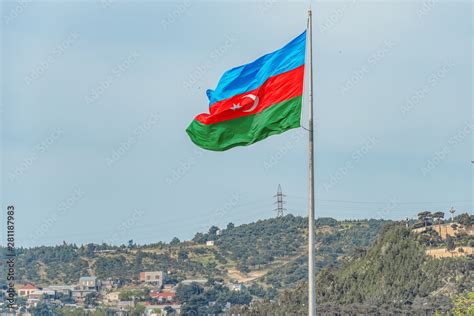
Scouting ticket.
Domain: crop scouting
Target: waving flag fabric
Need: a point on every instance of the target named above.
(254, 101)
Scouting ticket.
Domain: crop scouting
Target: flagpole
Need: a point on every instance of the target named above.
(311, 250)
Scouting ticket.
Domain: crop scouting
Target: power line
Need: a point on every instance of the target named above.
(379, 202)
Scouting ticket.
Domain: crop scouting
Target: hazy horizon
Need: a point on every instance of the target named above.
(125, 242)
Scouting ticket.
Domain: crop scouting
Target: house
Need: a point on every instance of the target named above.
(109, 284)
(37, 296)
(79, 294)
(42, 293)
(235, 287)
(155, 277)
(163, 297)
(61, 290)
(210, 243)
(32, 302)
(113, 297)
(160, 310)
(26, 289)
(168, 288)
(90, 283)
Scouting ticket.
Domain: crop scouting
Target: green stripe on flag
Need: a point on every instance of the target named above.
(247, 130)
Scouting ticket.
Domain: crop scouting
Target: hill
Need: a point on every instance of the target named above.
(254, 253)
(393, 276)
(364, 267)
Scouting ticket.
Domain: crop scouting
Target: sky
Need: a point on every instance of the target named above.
(96, 97)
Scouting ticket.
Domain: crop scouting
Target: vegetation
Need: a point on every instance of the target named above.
(393, 276)
(364, 267)
(130, 295)
(197, 298)
(464, 304)
(336, 242)
(276, 246)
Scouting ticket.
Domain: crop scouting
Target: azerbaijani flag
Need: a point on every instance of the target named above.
(254, 101)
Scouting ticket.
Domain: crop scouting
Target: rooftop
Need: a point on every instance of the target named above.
(27, 286)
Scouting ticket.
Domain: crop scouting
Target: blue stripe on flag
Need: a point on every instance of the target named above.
(250, 76)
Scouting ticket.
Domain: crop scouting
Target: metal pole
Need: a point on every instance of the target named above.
(311, 250)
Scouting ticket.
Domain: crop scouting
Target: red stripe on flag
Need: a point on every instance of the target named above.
(275, 90)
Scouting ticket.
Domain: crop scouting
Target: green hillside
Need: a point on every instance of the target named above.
(392, 276)
(363, 266)
(257, 252)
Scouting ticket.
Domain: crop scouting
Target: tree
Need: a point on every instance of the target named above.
(450, 243)
(243, 268)
(199, 238)
(184, 291)
(213, 230)
(230, 226)
(438, 216)
(90, 299)
(139, 309)
(90, 248)
(464, 219)
(424, 216)
(42, 309)
(183, 254)
(239, 298)
(175, 241)
(169, 310)
(257, 290)
(359, 252)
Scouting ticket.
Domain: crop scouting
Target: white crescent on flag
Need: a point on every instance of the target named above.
(255, 103)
